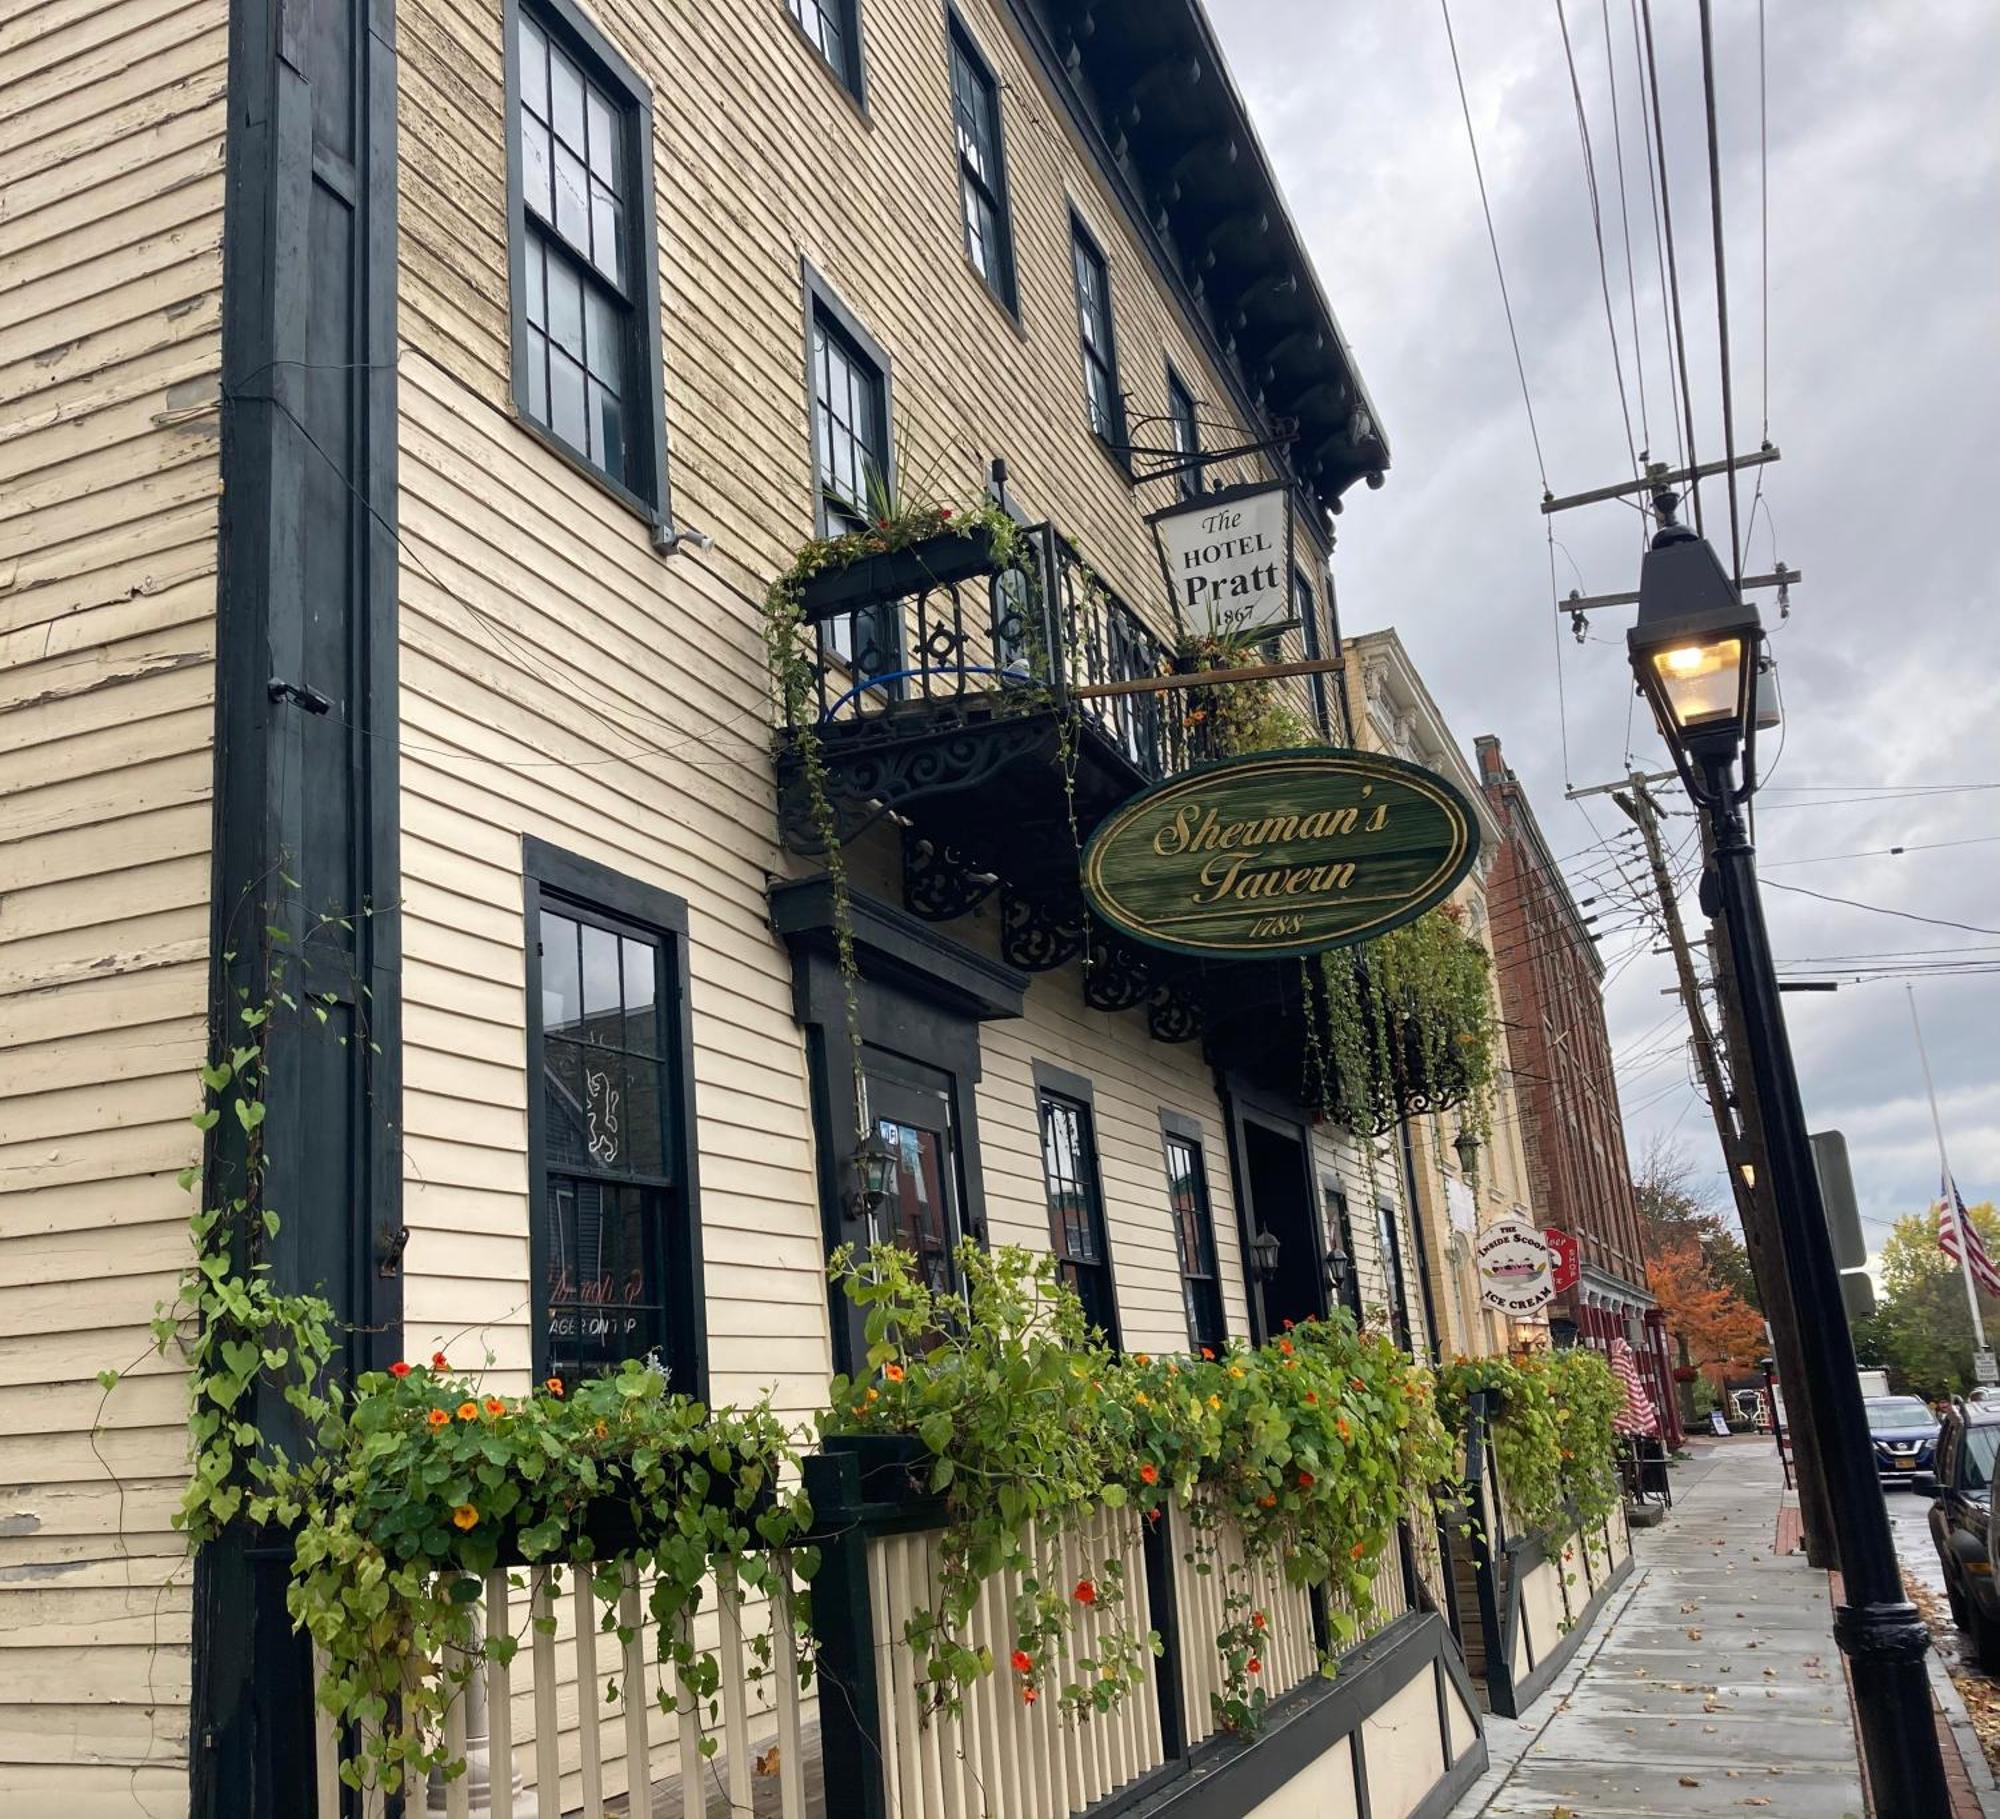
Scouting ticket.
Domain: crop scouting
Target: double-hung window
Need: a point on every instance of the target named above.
(1095, 334)
(614, 1238)
(1076, 1207)
(586, 328)
(1389, 1229)
(850, 410)
(1305, 608)
(833, 28)
(1185, 428)
(982, 175)
(1194, 1240)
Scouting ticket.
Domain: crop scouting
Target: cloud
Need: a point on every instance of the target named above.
(1884, 387)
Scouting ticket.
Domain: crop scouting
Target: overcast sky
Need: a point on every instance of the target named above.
(1884, 389)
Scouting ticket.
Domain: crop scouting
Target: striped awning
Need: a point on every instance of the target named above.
(1638, 1416)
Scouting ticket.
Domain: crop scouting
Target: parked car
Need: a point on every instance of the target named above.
(1905, 1434)
(1962, 1522)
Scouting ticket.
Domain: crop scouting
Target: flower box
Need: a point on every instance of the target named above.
(1686, 1373)
(938, 561)
(895, 1468)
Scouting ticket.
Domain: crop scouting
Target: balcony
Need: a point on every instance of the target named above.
(985, 708)
(560, 1729)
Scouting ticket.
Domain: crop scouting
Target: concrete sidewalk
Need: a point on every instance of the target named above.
(1711, 1686)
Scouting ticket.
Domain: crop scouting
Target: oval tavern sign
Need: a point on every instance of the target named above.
(1281, 853)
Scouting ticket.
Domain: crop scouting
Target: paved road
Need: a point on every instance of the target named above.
(1711, 1686)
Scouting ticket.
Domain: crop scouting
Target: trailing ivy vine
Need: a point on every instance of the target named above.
(1309, 1448)
(1552, 1435)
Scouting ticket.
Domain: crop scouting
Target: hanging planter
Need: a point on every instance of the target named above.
(939, 560)
(1686, 1373)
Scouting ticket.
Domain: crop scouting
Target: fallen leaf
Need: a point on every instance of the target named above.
(1689, 1781)
(1694, 1635)
(767, 1763)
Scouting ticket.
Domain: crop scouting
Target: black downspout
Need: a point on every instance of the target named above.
(1417, 1238)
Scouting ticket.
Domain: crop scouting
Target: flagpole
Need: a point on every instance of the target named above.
(1950, 1186)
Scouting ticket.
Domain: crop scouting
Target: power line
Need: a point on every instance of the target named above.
(1493, 240)
(1659, 254)
(1971, 928)
(1597, 232)
(1625, 227)
(1673, 260)
(1878, 852)
(1721, 284)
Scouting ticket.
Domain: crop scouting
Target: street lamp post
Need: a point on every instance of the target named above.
(1696, 650)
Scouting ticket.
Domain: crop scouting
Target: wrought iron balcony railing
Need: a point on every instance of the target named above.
(944, 631)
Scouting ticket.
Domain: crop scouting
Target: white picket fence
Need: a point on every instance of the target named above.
(1000, 1757)
(1217, 1583)
(556, 1744)
(544, 1741)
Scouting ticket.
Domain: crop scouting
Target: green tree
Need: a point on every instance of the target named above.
(1921, 1331)
(1674, 1207)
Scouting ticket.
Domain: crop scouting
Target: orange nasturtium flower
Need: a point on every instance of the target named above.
(494, 1406)
(1208, 1353)
(1358, 1549)
(438, 1363)
(1254, 1665)
(468, 1411)
(1257, 1620)
(1149, 1473)
(465, 1516)
(1285, 1346)
(1305, 1481)
(1346, 1432)
(1086, 1592)
(1269, 1500)
(1029, 1695)
(1358, 1384)
(438, 1418)
(1312, 1396)
(553, 1385)
(894, 1372)
(399, 1369)
(1024, 1663)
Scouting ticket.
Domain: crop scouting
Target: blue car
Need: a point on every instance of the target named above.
(1905, 1434)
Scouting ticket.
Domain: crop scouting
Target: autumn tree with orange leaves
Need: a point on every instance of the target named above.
(1714, 1328)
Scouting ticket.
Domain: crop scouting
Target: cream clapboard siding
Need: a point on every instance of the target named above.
(111, 132)
(560, 678)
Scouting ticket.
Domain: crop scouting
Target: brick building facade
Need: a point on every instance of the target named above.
(1551, 990)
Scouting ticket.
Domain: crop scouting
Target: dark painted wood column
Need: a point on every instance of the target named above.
(306, 773)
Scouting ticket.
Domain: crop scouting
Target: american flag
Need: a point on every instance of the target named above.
(1952, 1220)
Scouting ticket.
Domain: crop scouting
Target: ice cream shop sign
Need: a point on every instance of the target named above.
(1515, 1274)
(1282, 853)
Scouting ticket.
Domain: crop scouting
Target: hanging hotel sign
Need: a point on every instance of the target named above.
(1514, 1272)
(1283, 853)
(1228, 560)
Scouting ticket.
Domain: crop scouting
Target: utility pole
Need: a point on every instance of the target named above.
(1742, 1153)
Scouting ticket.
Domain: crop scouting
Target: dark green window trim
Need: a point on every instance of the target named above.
(1193, 1217)
(1097, 341)
(1389, 1229)
(832, 30)
(633, 300)
(1066, 1120)
(986, 214)
(583, 891)
(1184, 431)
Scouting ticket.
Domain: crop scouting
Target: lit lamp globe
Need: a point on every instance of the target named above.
(1694, 650)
